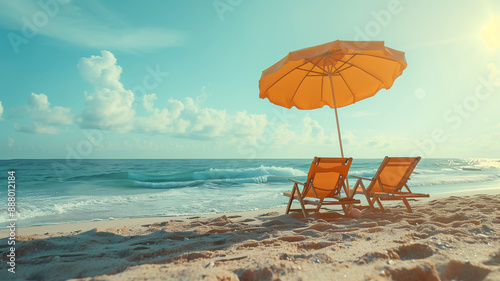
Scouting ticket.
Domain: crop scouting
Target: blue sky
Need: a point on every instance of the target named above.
(179, 79)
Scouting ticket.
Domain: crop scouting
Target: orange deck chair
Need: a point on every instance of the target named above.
(388, 182)
(325, 180)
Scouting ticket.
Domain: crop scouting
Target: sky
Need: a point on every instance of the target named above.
(179, 79)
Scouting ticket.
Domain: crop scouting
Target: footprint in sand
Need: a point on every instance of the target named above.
(256, 274)
(494, 259)
(456, 270)
(404, 252)
(449, 219)
(424, 271)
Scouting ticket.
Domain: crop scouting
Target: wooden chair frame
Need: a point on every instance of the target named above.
(345, 202)
(392, 192)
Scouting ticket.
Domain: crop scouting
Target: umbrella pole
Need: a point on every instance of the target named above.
(338, 131)
(336, 116)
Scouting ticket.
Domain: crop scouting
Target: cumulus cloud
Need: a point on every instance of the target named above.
(163, 121)
(376, 142)
(40, 109)
(189, 119)
(242, 123)
(349, 138)
(45, 117)
(148, 102)
(1, 111)
(312, 132)
(109, 106)
(308, 132)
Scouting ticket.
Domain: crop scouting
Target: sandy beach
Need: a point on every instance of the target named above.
(164, 140)
(448, 238)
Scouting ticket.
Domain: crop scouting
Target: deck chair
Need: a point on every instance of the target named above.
(388, 182)
(325, 180)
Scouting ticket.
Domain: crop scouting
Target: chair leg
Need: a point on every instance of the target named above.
(291, 200)
(296, 189)
(359, 183)
(346, 209)
(303, 207)
(370, 202)
(319, 205)
(379, 203)
(407, 205)
(368, 199)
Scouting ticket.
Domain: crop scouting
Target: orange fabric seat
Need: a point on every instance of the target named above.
(388, 182)
(325, 181)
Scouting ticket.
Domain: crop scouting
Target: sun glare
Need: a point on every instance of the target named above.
(491, 32)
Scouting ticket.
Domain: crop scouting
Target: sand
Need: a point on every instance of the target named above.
(450, 238)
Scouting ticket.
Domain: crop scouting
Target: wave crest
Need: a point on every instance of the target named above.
(214, 176)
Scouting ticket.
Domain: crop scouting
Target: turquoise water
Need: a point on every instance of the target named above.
(60, 191)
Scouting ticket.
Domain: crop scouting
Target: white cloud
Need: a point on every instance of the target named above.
(375, 142)
(45, 118)
(39, 108)
(163, 121)
(312, 132)
(242, 123)
(189, 119)
(148, 102)
(207, 122)
(38, 128)
(110, 105)
(349, 138)
(10, 141)
(1, 111)
(282, 135)
(83, 24)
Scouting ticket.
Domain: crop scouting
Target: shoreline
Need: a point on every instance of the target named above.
(66, 228)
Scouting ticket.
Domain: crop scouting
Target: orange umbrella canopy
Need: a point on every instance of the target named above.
(336, 74)
(358, 70)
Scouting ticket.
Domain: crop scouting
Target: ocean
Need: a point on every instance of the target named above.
(61, 191)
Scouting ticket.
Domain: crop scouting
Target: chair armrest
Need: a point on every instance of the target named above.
(358, 177)
(297, 182)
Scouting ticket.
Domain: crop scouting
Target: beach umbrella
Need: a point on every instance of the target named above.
(336, 74)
